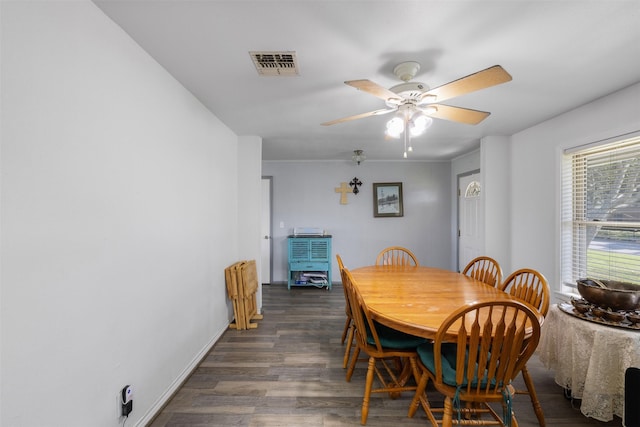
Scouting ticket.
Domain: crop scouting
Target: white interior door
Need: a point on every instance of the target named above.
(265, 264)
(470, 219)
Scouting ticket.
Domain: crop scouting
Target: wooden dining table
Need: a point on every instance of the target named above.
(416, 300)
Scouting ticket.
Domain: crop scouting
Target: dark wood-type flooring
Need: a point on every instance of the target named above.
(288, 372)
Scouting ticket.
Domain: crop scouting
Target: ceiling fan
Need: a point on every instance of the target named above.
(412, 99)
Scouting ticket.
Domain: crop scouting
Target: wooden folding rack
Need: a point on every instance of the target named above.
(242, 285)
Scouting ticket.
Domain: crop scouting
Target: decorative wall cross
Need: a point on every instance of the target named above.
(343, 190)
(355, 183)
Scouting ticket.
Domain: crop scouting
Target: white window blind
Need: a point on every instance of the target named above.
(601, 213)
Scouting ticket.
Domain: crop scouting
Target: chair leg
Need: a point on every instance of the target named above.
(347, 351)
(447, 416)
(422, 385)
(534, 397)
(367, 390)
(352, 364)
(347, 326)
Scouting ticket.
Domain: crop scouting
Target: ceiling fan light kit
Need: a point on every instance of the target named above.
(419, 123)
(414, 102)
(395, 127)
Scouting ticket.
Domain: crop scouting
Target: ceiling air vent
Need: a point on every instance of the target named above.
(275, 63)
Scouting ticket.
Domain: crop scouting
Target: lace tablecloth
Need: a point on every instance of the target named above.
(589, 359)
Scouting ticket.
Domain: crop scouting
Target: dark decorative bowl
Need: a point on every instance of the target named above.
(616, 295)
(581, 305)
(633, 317)
(614, 316)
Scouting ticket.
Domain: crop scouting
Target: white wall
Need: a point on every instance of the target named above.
(535, 188)
(304, 195)
(249, 216)
(495, 171)
(112, 263)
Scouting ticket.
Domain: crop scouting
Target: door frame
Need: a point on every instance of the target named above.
(270, 207)
(457, 196)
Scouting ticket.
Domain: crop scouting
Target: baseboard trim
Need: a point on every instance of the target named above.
(164, 399)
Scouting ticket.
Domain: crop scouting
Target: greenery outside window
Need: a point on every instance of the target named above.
(601, 212)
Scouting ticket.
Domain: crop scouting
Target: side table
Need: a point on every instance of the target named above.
(590, 359)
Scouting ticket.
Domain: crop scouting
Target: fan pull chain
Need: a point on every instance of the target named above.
(405, 139)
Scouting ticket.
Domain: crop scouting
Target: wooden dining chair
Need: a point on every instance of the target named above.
(477, 352)
(349, 327)
(531, 287)
(396, 255)
(382, 345)
(485, 269)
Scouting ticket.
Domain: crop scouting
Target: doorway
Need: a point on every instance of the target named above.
(265, 230)
(470, 218)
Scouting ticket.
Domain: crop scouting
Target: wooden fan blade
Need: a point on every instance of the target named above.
(359, 116)
(457, 114)
(374, 89)
(481, 80)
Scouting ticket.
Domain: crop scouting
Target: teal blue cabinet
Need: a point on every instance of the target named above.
(309, 261)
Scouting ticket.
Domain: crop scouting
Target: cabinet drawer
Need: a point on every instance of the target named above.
(309, 266)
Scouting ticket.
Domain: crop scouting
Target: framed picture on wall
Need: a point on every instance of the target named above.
(387, 199)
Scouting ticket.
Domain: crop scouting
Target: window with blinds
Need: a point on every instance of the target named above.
(601, 212)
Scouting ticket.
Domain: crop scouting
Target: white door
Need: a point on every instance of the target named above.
(470, 219)
(265, 227)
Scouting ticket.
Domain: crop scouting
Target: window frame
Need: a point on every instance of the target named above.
(574, 223)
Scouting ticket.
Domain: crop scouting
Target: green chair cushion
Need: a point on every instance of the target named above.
(391, 338)
(449, 353)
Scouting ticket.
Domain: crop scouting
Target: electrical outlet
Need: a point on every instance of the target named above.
(126, 401)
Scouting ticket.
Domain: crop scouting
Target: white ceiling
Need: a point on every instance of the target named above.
(561, 54)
